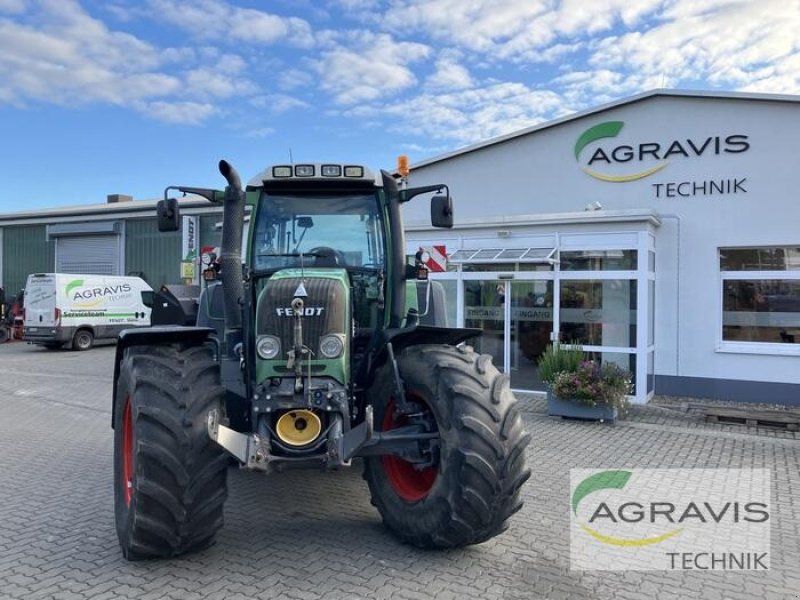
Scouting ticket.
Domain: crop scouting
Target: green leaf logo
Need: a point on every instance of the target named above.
(609, 129)
(74, 284)
(611, 480)
(604, 480)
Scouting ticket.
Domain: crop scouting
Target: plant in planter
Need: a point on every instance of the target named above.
(592, 391)
(581, 388)
(558, 358)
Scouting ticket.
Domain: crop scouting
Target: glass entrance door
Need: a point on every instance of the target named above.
(516, 318)
(530, 331)
(484, 308)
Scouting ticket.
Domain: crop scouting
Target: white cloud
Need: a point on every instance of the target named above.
(368, 67)
(509, 29)
(260, 132)
(449, 75)
(294, 78)
(467, 116)
(71, 58)
(217, 19)
(183, 113)
(62, 55)
(278, 103)
(13, 7)
(223, 79)
(734, 44)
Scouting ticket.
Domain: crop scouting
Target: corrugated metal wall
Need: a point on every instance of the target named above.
(25, 251)
(152, 252)
(147, 250)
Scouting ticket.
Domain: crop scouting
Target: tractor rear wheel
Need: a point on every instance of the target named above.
(472, 488)
(170, 479)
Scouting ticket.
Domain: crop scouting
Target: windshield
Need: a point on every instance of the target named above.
(320, 230)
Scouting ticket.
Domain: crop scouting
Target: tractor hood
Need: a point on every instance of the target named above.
(326, 312)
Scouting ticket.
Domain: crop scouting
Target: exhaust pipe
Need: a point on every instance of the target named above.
(231, 250)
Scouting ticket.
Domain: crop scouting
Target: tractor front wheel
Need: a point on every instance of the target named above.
(169, 477)
(471, 486)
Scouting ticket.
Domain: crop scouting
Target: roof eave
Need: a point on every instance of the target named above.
(663, 92)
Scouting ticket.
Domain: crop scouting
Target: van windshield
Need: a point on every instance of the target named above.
(319, 230)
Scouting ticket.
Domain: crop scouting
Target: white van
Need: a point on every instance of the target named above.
(78, 309)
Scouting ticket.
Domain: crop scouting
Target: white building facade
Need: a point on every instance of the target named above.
(661, 232)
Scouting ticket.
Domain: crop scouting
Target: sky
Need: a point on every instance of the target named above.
(107, 96)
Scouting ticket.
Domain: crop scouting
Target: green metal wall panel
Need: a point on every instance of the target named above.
(25, 251)
(154, 253)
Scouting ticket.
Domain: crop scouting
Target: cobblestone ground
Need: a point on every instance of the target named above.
(308, 535)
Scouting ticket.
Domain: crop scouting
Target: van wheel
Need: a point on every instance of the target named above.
(83, 340)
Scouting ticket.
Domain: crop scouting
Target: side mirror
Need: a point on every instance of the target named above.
(169, 214)
(442, 211)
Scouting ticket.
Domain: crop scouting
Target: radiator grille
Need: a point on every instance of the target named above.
(275, 317)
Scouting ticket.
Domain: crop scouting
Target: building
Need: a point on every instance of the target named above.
(661, 232)
(120, 237)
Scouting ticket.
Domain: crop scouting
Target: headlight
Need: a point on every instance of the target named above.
(268, 346)
(331, 346)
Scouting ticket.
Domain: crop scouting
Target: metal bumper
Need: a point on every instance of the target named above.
(252, 450)
(47, 335)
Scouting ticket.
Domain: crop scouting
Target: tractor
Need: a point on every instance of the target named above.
(321, 355)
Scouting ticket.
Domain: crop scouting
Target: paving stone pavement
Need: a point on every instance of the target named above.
(307, 535)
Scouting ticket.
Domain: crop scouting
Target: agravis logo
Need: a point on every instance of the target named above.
(668, 519)
(646, 158)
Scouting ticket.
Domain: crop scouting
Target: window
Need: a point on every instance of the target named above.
(599, 260)
(760, 295)
(293, 231)
(599, 312)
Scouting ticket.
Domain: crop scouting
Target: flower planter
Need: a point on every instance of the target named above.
(573, 409)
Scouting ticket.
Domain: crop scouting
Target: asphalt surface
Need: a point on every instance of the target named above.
(308, 535)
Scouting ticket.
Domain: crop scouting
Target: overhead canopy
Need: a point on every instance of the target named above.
(504, 255)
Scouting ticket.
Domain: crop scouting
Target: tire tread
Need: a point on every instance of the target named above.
(172, 388)
(483, 491)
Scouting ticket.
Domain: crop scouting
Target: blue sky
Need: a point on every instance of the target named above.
(101, 97)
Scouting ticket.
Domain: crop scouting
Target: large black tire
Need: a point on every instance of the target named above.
(170, 478)
(468, 497)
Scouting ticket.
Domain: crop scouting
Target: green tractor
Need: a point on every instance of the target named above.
(320, 355)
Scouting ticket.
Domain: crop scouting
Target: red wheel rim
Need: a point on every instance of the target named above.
(127, 452)
(410, 484)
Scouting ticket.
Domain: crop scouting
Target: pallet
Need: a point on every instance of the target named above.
(776, 419)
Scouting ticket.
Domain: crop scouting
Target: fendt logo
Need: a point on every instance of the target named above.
(645, 158)
(308, 311)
